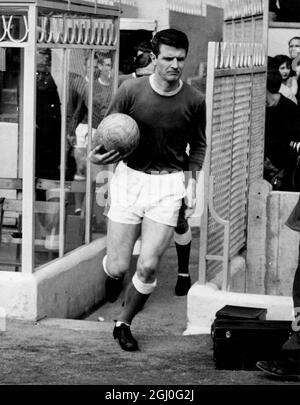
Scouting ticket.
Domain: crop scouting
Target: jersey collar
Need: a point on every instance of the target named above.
(164, 93)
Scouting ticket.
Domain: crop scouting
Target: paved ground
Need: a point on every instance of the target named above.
(82, 352)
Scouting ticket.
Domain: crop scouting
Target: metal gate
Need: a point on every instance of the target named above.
(235, 97)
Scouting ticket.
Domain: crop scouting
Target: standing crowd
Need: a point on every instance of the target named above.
(281, 169)
(282, 134)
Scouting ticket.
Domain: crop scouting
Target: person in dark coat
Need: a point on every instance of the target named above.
(289, 364)
(48, 120)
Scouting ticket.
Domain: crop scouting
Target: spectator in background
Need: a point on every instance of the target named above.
(48, 120)
(288, 366)
(289, 84)
(48, 145)
(282, 132)
(143, 65)
(295, 65)
(294, 47)
(78, 87)
(79, 97)
(78, 110)
(294, 51)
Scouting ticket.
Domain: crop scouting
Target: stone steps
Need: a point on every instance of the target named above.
(9, 96)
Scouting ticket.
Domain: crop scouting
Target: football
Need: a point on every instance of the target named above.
(119, 132)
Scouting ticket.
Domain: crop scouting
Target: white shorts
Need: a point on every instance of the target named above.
(135, 194)
(81, 133)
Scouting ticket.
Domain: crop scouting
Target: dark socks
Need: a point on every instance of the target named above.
(113, 288)
(134, 302)
(183, 257)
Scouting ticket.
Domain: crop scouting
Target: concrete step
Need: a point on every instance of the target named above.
(75, 324)
(4, 117)
(7, 108)
(9, 96)
(204, 301)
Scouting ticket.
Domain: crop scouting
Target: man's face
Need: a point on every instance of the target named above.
(106, 69)
(294, 48)
(88, 67)
(170, 63)
(42, 62)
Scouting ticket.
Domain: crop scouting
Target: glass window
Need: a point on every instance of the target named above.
(73, 74)
(47, 153)
(90, 92)
(10, 158)
(89, 88)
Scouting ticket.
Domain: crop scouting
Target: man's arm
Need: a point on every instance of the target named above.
(196, 157)
(76, 107)
(198, 141)
(118, 104)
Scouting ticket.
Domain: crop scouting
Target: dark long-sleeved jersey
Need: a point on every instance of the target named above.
(167, 125)
(77, 110)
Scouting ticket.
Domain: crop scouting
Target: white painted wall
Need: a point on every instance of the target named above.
(72, 285)
(279, 38)
(18, 295)
(156, 10)
(8, 149)
(64, 288)
(8, 153)
(204, 301)
(215, 3)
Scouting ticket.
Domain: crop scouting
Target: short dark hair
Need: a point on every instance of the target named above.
(278, 60)
(171, 37)
(274, 78)
(143, 47)
(101, 58)
(45, 53)
(87, 55)
(273, 82)
(298, 38)
(143, 60)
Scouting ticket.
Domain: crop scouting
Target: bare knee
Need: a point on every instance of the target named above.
(146, 269)
(117, 266)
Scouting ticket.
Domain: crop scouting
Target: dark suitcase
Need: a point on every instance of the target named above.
(236, 312)
(239, 343)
